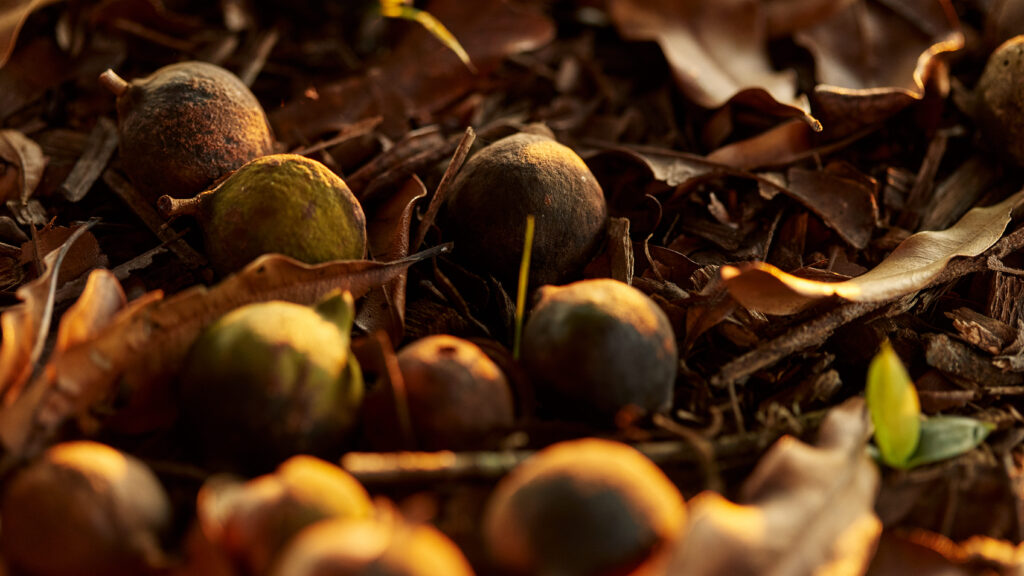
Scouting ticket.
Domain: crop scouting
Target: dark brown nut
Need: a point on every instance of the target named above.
(580, 508)
(515, 177)
(594, 347)
(185, 126)
(455, 395)
(999, 98)
(84, 508)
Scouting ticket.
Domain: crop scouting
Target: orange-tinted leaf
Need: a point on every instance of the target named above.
(102, 298)
(25, 326)
(717, 51)
(13, 14)
(923, 552)
(804, 509)
(910, 267)
(141, 349)
(27, 158)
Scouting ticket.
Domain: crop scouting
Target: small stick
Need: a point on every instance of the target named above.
(441, 194)
(171, 207)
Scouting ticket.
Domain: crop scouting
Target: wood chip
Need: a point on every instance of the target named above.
(99, 149)
(987, 334)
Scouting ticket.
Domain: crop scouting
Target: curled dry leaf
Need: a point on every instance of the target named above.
(139, 352)
(717, 52)
(24, 326)
(923, 552)
(874, 58)
(846, 205)
(13, 14)
(27, 158)
(910, 267)
(804, 509)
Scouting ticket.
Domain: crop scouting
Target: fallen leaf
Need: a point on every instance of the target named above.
(27, 157)
(774, 147)
(924, 552)
(803, 510)
(717, 52)
(844, 204)
(13, 14)
(388, 236)
(101, 299)
(910, 267)
(24, 326)
(139, 352)
(875, 57)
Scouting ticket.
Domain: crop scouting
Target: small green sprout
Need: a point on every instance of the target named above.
(904, 438)
(404, 10)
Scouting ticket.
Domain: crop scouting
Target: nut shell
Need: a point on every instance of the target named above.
(1000, 100)
(268, 381)
(510, 179)
(593, 347)
(185, 126)
(84, 508)
(456, 397)
(580, 508)
(284, 203)
(371, 548)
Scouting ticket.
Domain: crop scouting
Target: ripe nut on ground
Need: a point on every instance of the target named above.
(84, 508)
(512, 178)
(999, 100)
(594, 347)
(377, 547)
(455, 397)
(271, 380)
(579, 508)
(251, 522)
(284, 203)
(185, 126)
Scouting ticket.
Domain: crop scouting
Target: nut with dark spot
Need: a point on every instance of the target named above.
(594, 347)
(517, 176)
(185, 126)
(580, 508)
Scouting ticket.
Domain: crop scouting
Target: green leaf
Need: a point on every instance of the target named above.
(401, 9)
(894, 407)
(943, 437)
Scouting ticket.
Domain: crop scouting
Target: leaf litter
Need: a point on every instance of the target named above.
(782, 256)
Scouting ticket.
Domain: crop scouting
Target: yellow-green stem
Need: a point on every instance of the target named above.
(524, 277)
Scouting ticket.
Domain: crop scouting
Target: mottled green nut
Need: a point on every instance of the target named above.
(271, 380)
(594, 347)
(283, 203)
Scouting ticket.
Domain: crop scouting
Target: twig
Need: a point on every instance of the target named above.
(441, 194)
(375, 468)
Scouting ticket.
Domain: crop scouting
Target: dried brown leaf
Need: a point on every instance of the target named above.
(846, 205)
(717, 51)
(874, 58)
(99, 302)
(923, 552)
(139, 351)
(24, 326)
(13, 14)
(805, 509)
(388, 236)
(27, 158)
(910, 267)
